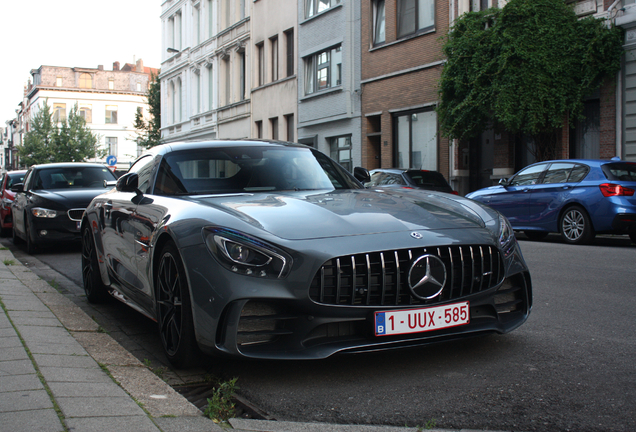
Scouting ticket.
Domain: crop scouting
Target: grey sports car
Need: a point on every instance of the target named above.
(272, 250)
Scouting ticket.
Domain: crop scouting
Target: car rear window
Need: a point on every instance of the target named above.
(625, 171)
(427, 178)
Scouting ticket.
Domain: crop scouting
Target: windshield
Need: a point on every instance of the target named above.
(72, 177)
(625, 171)
(249, 169)
(14, 179)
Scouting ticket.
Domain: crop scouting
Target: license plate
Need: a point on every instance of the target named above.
(421, 320)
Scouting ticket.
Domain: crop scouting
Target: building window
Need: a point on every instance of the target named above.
(59, 112)
(197, 91)
(260, 50)
(416, 138)
(323, 70)
(379, 21)
(177, 101)
(111, 145)
(259, 129)
(210, 18)
(58, 82)
(228, 77)
(341, 150)
(313, 7)
(86, 113)
(289, 39)
(242, 75)
(291, 127)
(273, 123)
(415, 16)
(111, 114)
(85, 80)
(197, 25)
(111, 84)
(273, 45)
(138, 86)
(210, 87)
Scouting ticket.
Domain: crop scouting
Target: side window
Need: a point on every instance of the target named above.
(375, 179)
(144, 168)
(27, 180)
(528, 176)
(558, 173)
(578, 173)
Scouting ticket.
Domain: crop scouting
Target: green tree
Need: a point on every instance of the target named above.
(67, 141)
(525, 68)
(149, 132)
(38, 142)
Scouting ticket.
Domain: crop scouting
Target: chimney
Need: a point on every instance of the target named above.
(116, 66)
(140, 65)
(100, 67)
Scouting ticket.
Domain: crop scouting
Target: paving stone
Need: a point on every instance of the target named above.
(89, 389)
(16, 367)
(15, 353)
(67, 349)
(11, 383)
(45, 420)
(10, 342)
(25, 400)
(110, 424)
(99, 406)
(61, 360)
(77, 375)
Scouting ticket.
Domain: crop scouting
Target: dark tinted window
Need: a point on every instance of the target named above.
(528, 176)
(620, 171)
(14, 179)
(72, 178)
(558, 173)
(144, 168)
(427, 178)
(578, 173)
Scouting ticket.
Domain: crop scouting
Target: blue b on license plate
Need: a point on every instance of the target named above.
(421, 320)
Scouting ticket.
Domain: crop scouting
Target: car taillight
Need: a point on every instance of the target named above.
(407, 187)
(611, 189)
(455, 192)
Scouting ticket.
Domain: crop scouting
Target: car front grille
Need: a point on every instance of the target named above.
(75, 214)
(381, 278)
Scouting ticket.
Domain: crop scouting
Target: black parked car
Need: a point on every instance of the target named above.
(409, 179)
(272, 250)
(49, 205)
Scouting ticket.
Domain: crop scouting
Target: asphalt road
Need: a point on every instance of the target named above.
(570, 367)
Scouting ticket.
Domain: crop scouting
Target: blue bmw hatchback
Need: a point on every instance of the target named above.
(575, 197)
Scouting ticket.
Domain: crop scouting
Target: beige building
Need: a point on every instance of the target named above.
(107, 99)
(274, 83)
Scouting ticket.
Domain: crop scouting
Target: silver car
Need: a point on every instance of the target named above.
(272, 250)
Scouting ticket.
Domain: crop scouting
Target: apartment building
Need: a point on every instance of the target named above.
(108, 100)
(274, 94)
(329, 111)
(205, 78)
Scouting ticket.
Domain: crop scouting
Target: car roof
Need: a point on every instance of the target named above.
(68, 165)
(590, 162)
(191, 145)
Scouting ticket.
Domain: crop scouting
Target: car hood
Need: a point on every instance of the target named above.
(302, 215)
(69, 198)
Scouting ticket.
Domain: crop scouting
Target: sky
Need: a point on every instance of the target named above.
(72, 33)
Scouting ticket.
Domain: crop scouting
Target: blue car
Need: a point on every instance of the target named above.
(577, 198)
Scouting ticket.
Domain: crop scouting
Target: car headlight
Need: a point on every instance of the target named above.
(43, 213)
(246, 255)
(507, 238)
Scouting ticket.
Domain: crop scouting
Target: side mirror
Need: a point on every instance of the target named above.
(362, 175)
(18, 187)
(503, 182)
(110, 183)
(128, 183)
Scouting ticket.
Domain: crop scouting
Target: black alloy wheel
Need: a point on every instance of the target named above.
(576, 227)
(174, 309)
(96, 291)
(30, 245)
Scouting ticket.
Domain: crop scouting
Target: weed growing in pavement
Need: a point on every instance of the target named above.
(54, 284)
(221, 407)
(430, 424)
(4, 248)
(101, 329)
(8, 262)
(157, 371)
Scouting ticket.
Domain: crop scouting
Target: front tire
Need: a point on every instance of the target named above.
(96, 291)
(174, 309)
(576, 226)
(536, 235)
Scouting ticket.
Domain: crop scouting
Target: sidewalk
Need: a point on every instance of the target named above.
(59, 372)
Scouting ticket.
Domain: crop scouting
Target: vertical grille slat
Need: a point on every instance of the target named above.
(382, 278)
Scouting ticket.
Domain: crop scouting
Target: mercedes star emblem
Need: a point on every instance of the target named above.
(427, 277)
